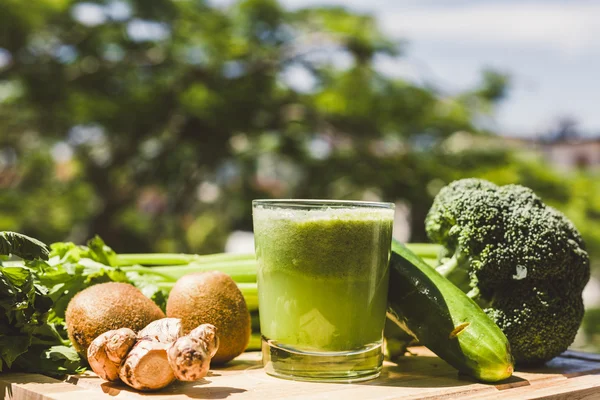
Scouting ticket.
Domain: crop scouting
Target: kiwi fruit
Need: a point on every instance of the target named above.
(212, 298)
(106, 306)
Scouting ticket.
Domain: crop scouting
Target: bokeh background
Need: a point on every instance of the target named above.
(154, 123)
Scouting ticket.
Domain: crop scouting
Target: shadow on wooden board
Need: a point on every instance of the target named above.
(40, 387)
(192, 390)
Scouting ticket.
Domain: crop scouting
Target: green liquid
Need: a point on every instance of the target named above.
(323, 276)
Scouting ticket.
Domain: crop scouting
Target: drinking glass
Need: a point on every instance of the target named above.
(322, 287)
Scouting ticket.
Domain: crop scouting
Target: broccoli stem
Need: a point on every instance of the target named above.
(456, 269)
(449, 266)
(425, 250)
(474, 294)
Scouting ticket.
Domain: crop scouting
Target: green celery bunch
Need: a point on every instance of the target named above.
(36, 288)
(34, 294)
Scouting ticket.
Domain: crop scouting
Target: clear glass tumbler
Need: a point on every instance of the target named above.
(322, 287)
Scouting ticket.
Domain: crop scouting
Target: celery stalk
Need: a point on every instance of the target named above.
(179, 259)
(249, 291)
(168, 268)
(242, 270)
(255, 342)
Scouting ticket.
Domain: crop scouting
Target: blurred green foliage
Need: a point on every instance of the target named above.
(591, 329)
(154, 123)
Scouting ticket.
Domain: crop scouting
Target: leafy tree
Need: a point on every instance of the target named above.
(154, 123)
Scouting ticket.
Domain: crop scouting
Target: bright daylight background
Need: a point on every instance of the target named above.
(154, 123)
(550, 48)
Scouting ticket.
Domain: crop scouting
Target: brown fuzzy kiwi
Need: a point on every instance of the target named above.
(212, 298)
(106, 306)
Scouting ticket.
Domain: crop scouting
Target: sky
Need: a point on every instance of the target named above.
(551, 49)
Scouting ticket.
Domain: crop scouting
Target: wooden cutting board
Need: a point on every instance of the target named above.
(421, 376)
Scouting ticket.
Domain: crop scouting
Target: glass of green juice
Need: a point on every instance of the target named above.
(322, 287)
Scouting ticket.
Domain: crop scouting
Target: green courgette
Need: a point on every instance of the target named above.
(444, 319)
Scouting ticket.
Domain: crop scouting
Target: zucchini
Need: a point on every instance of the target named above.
(442, 317)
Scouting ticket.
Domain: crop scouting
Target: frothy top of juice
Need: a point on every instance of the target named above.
(346, 243)
(326, 213)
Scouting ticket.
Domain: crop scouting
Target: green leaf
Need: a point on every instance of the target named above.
(100, 252)
(22, 246)
(56, 360)
(70, 252)
(18, 276)
(12, 347)
(62, 353)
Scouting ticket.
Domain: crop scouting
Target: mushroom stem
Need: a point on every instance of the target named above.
(99, 361)
(147, 367)
(165, 330)
(190, 355)
(108, 350)
(119, 343)
(156, 356)
(207, 334)
(188, 359)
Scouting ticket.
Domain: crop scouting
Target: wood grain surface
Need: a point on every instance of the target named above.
(419, 376)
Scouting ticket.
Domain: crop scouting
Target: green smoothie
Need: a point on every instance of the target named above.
(323, 276)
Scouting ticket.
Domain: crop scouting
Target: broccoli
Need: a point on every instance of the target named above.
(523, 261)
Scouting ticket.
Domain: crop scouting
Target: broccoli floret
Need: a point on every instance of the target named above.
(541, 321)
(523, 261)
